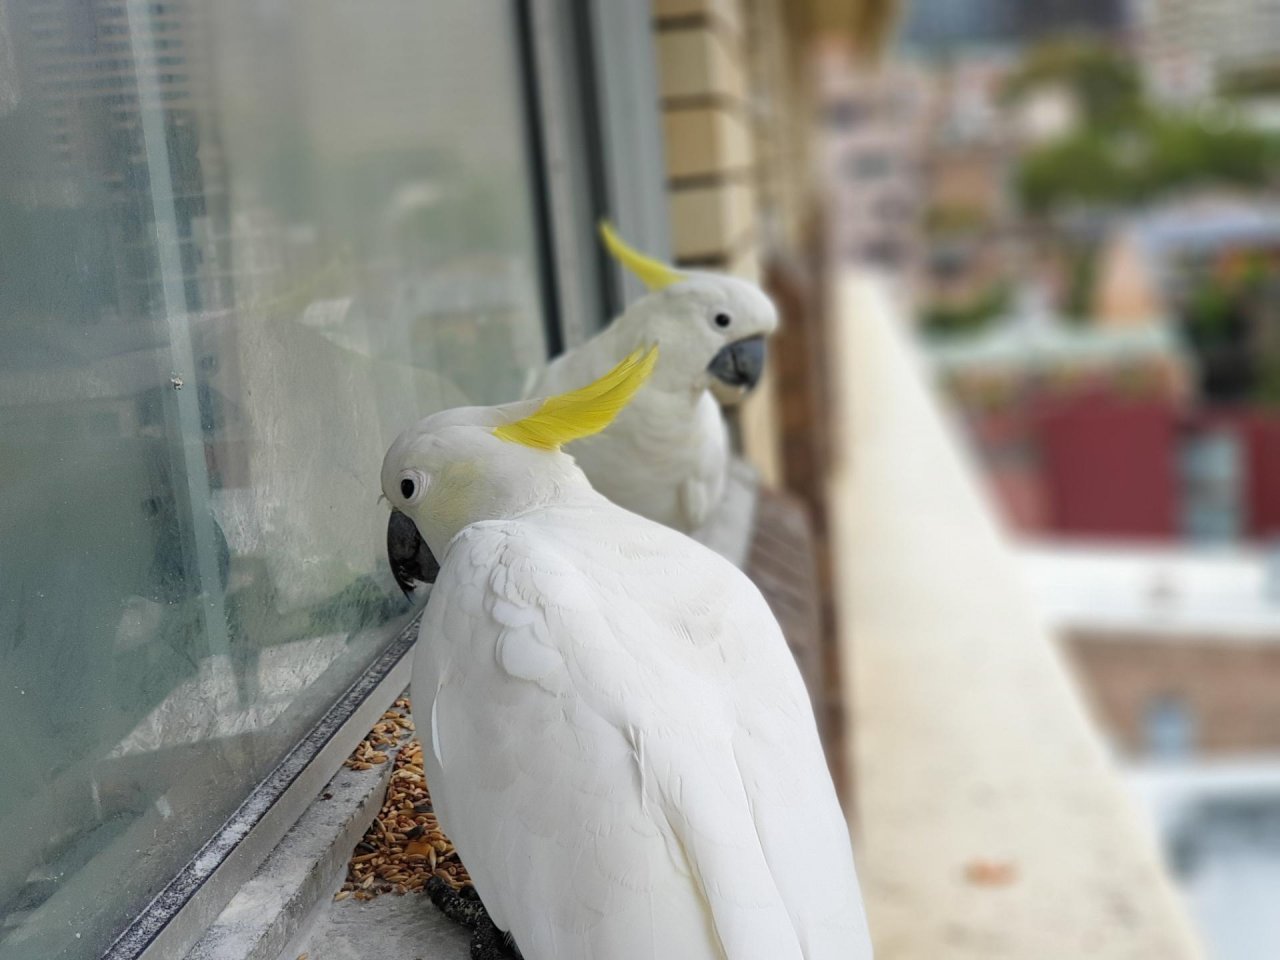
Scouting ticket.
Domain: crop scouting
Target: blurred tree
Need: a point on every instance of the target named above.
(1126, 151)
(1081, 169)
(1227, 322)
(1259, 80)
(1105, 83)
(947, 219)
(1159, 154)
(969, 316)
(1081, 280)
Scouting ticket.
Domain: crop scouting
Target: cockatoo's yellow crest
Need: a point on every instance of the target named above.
(580, 413)
(652, 273)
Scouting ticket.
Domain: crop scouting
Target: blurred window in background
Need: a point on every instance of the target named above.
(894, 209)
(1169, 727)
(847, 114)
(883, 252)
(231, 275)
(1212, 493)
(870, 165)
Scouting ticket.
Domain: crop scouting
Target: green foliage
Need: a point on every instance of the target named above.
(1083, 268)
(1160, 154)
(1267, 391)
(1104, 82)
(1210, 311)
(1227, 314)
(970, 317)
(1126, 151)
(955, 219)
(1256, 81)
(1081, 168)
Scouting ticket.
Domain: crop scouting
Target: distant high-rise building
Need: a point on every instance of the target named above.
(1188, 46)
(874, 136)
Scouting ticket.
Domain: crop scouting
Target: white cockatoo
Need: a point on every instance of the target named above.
(667, 455)
(615, 734)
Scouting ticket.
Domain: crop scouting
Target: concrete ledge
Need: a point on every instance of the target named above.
(301, 874)
(993, 825)
(388, 927)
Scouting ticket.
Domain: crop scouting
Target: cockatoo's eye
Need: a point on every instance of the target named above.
(413, 483)
(722, 320)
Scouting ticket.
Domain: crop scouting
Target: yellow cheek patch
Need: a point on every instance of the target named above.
(654, 274)
(580, 413)
(454, 492)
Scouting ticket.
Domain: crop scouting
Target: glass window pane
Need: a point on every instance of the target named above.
(242, 244)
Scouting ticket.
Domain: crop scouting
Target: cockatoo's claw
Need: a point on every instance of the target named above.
(490, 943)
(461, 906)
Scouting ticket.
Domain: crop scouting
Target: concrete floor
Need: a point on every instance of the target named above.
(388, 927)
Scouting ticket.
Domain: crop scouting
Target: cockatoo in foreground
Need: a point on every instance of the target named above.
(616, 736)
(667, 455)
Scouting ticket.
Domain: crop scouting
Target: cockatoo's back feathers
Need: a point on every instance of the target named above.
(640, 776)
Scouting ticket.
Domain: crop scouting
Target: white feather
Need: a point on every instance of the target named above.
(642, 773)
(666, 456)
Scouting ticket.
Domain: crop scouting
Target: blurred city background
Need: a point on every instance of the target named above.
(1078, 203)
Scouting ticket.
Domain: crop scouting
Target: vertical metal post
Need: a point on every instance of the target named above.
(626, 85)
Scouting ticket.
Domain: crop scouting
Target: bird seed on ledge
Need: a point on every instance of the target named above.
(403, 847)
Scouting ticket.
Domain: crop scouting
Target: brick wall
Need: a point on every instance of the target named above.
(703, 81)
(705, 85)
(1230, 687)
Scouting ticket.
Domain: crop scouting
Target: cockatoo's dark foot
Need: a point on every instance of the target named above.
(464, 907)
(490, 943)
(461, 906)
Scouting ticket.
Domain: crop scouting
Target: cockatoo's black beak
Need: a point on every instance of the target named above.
(739, 364)
(412, 561)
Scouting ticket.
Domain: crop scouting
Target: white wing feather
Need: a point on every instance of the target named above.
(626, 757)
(666, 456)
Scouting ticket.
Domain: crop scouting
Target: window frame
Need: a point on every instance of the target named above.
(592, 72)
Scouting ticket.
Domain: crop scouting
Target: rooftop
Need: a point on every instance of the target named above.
(1157, 591)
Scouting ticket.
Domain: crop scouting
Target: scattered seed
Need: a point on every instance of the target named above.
(404, 846)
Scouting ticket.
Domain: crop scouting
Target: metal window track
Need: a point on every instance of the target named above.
(178, 916)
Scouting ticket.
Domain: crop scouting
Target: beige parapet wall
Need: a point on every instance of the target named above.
(990, 822)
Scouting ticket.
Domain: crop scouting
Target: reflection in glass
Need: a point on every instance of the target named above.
(242, 244)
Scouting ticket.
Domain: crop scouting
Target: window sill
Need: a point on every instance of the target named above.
(183, 912)
(287, 908)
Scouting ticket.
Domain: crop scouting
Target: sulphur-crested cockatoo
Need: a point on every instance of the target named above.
(615, 733)
(667, 455)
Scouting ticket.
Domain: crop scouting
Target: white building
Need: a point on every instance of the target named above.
(1186, 46)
